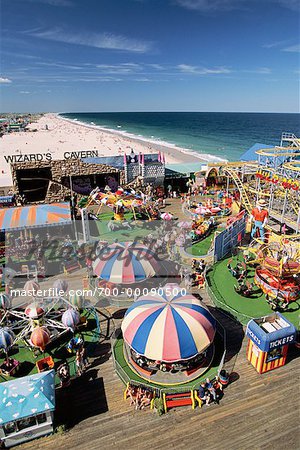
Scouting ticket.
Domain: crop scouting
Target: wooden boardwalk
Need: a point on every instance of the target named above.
(257, 411)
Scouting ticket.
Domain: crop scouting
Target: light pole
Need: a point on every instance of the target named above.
(73, 208)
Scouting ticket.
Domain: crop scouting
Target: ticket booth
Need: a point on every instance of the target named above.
(269, 339)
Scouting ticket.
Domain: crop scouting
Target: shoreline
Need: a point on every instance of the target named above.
(56, 135)
(157, 144)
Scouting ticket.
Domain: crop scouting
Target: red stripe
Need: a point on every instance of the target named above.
(171, 348)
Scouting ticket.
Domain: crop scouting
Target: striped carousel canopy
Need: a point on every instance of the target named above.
(126, 263)
(168, 327)
(35, 216)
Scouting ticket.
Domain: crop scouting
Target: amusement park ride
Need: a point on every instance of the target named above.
(37, 325)
(119, 201)
(273, 175)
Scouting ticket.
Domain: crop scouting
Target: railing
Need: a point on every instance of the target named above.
(159, 391)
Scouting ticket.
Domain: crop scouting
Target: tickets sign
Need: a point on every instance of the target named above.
(269, 177)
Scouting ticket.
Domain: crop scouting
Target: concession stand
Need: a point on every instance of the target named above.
(269, 339)
(27, 406)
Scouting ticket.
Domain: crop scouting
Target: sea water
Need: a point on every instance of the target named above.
(225, 135)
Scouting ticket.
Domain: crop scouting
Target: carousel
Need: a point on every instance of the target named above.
(123, 264)
(169, 337)
(278, 272)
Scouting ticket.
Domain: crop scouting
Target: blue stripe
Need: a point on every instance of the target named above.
(41, 216)
(142, 303)
(200, 310)
(23, 222)
(185, 338)
(140, 339)
(7, 219)
(138, 269)
(106, 271)
(53, 209)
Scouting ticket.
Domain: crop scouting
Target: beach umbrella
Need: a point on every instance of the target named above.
(34, 311)
(166, 216)
(40, 337)
(60, 285)
(31, 287)
(5, 301)
(7, 338)
(76, 300)
(168, 327)
(184, 225)
(125, 263)
(71, 318)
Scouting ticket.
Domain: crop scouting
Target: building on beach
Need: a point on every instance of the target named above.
(50, 181)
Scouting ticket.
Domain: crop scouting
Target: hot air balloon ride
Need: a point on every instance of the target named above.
(40, 337)
(71, 318)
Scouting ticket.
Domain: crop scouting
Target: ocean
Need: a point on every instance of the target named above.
(225, 135)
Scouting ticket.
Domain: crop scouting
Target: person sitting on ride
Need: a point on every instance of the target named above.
(243, 288)
(74, 344)
(238, 271)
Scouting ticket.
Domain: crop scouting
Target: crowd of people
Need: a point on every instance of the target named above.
(210, 391)
(140, 397)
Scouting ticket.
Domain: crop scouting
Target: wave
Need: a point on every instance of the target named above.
(156, 141)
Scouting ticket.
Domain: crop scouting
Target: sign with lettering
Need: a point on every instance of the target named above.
(38, 157)
(270, 177)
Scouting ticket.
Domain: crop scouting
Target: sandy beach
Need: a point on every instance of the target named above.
(57, 135)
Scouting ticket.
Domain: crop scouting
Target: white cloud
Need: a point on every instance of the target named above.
(205, 6)
(156, 66)
(125, 68)
(294, 5)
(292, 49)
(60, 65)
(185, 68)
(24, 92)
(5, 80)
(142, 80)
(259, 70)
(275, 44)
(211, 5)
(98, 40)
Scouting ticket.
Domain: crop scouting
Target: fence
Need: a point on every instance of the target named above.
(229, 238)
(159, 391)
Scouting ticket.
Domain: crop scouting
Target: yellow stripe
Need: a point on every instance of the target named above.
(155, 341)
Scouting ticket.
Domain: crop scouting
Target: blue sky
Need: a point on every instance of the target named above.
(150, 55)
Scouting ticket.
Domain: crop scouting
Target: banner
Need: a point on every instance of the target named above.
(270, 177)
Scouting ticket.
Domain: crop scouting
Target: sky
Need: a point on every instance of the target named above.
(150, 55)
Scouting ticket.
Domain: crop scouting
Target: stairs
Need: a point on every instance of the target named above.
(244, 196)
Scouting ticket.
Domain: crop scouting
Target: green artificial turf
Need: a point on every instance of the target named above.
(201, 248)
(130, 375)
(138, 229)
(221, 282)
(59, 353)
